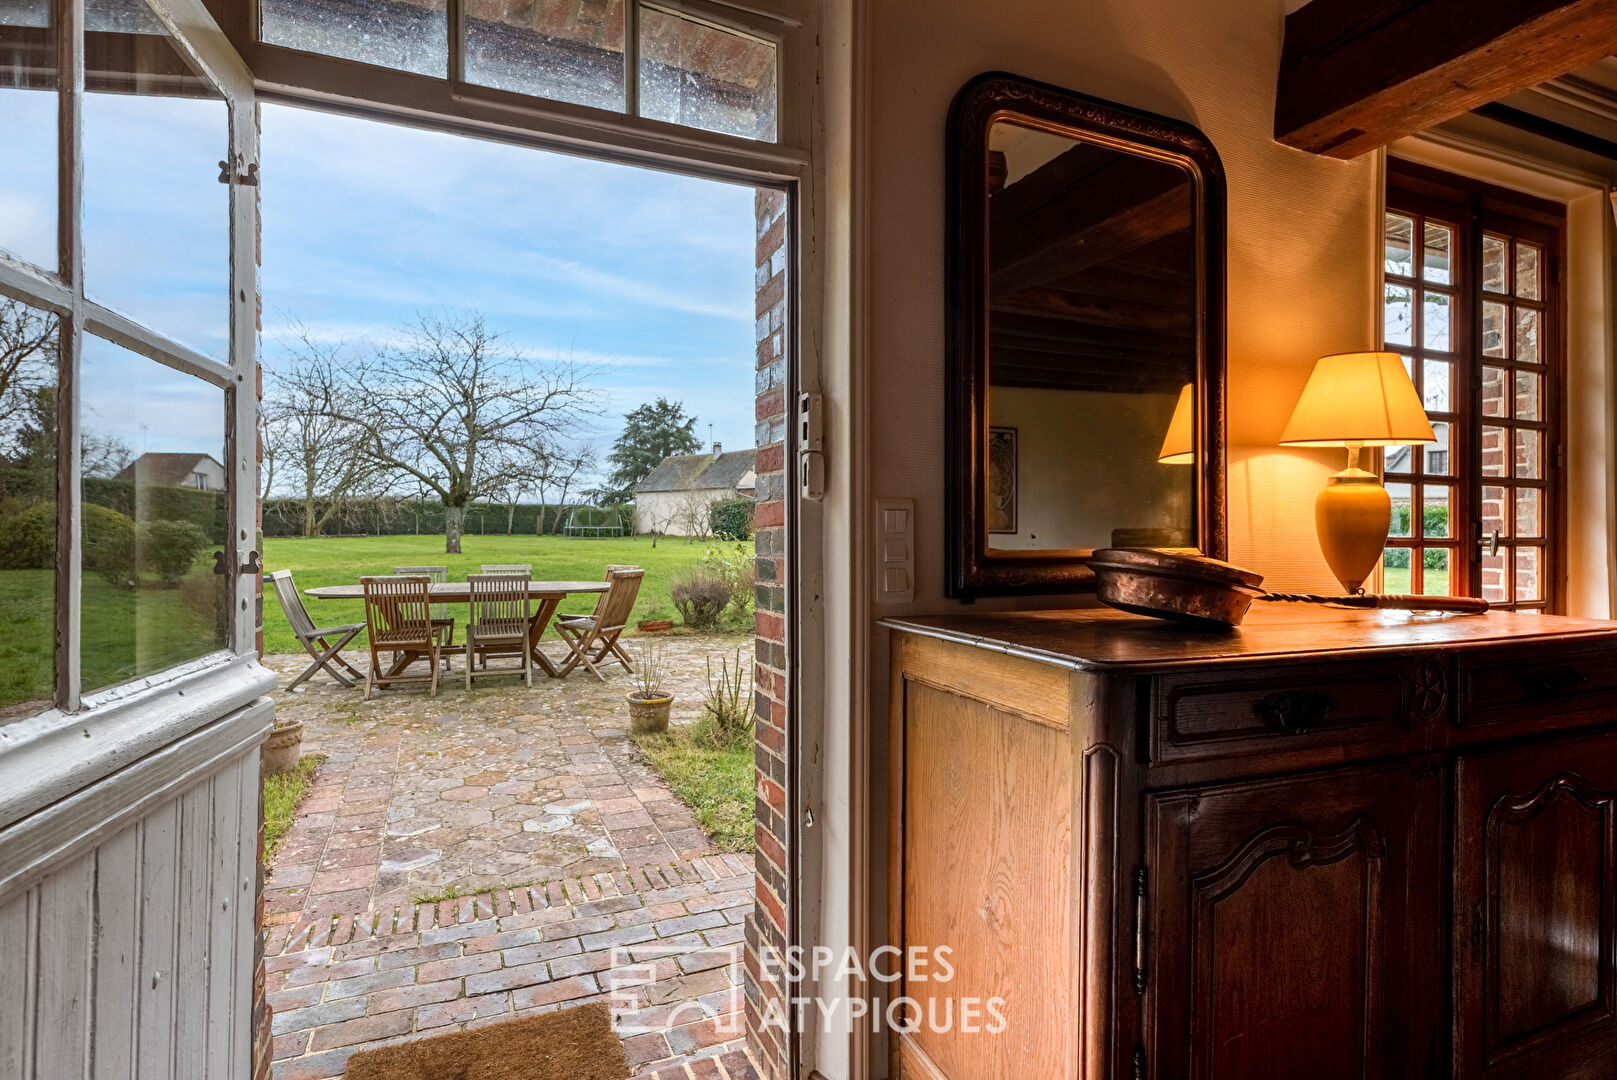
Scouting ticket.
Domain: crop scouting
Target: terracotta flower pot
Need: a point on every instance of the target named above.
(281, 750)
(648, 715)
(654, 626)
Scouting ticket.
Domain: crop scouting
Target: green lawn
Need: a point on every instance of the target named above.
(712, 773)
(344, 560)
(1395, 581)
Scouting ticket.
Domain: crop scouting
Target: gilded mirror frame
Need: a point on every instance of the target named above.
(972, 567)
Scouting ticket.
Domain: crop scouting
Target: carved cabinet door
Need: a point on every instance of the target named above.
(1535, 912)
(1291, 928)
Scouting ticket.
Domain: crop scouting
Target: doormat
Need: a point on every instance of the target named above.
(572, 1044)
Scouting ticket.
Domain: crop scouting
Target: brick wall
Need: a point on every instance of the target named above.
(767, 925)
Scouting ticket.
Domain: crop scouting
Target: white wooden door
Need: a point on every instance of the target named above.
(132, 705)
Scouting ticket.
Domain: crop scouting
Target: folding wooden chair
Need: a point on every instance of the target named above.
(594, 638)
(499, 624)
(508, 568)
(315, 638)
(398, 612)
(443, 625)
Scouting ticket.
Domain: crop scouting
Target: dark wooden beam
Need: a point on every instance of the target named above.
(1357, 74)
(1548, 129)
(1172, 313)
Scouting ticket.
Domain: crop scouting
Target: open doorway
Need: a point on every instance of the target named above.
(479, 354)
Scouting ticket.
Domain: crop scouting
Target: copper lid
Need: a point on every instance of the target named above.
(1184, 567)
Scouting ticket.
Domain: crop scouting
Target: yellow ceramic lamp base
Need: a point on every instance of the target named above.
(1352, 515)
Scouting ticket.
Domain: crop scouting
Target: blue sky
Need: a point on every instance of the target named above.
(646, 276)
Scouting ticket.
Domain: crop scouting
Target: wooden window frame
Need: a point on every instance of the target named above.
(1476, 209)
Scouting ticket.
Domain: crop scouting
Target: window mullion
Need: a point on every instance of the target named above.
(631, 58)
(70, 21)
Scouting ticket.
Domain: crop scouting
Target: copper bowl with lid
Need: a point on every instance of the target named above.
(1191, 589)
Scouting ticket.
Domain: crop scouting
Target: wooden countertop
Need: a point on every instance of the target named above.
(1102, 639)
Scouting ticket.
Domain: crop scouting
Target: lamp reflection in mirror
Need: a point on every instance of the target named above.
(1356, 400)
(1179, 445)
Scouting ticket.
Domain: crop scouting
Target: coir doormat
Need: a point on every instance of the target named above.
(572, 1044)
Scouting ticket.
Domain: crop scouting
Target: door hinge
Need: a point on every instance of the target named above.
(1140, 937)
(1560, 455)
(811, 446)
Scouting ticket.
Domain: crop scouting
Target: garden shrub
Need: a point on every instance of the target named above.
(731, 519)
(109, 544)
(169, 549)
(28, 541)
(736, 565)
(700, 595)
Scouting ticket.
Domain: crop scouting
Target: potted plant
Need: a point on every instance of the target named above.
(648, 701)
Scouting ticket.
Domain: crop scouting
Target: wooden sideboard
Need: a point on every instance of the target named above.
(1329, 844)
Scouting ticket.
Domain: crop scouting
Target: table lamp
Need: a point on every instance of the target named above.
(1356, 400)
(1179, 445)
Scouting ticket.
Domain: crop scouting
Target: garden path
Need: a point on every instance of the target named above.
(470, 858)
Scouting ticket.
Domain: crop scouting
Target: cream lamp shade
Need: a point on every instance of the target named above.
(1179, 445)
(1356, 400)
(1364, 398)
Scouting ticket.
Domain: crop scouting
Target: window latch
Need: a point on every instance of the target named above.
(252, 564)
(811, 446)
(1490, 544)
(246, 179)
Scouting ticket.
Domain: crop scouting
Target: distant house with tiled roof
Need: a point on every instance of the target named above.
(197, 471)
(675, 497)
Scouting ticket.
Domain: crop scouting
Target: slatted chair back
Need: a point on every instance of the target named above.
(435, 574)
(508, 568)
(600, 601)
(499, 605)
(398, 611)
(617, 604)
(292, 604)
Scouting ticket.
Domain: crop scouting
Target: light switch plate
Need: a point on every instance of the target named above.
(895, 551)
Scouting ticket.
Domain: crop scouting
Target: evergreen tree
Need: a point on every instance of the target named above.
(652, 432)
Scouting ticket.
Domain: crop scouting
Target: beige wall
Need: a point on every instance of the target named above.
(673, 512)
(1301, 234)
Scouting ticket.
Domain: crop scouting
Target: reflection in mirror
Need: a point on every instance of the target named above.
(28, 126)
(154, 512)
(156, 217)
(1092, 345)
(29, 339)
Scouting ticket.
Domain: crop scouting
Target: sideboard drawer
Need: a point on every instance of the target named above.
(1205, 715)
(1537, 683)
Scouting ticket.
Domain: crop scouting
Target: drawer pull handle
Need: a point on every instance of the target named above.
(1295, 712)
(1552, 685)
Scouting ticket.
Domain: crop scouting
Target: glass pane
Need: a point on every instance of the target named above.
(557, 49)
(1439, 250)
(1435, 330)
(1400, 315)
(1527, 271)
(1529, 583)
(1400, 256)
(1437, 375)
(154, 513)
(1436, 455)
(1493, 264)
(28, 119)
(703, 76)
(1399, 459)
(28, 351)
(1402, 507)
(1527, 394)
(1495, 516)
(1435, 510)
(1527, 516)
(1435, 577)
(1527, 335)
(156, 218)
(410, 37)
(1529, 460)
(1493, 328)
(1395, 570)
(1495, 451)
(1495, 578)
(1494, 401)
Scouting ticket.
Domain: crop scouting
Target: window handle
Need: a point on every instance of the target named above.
(1490, 544)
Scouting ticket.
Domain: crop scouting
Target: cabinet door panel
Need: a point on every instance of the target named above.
(1536, 854)
(1300, 941)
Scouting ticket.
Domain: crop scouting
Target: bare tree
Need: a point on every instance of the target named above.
(320, 455)
(692, 517)
(563, 471)
(453, 409)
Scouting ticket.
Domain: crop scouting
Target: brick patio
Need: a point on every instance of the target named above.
(558, 846)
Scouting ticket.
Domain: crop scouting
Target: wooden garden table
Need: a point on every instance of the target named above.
(548, 593)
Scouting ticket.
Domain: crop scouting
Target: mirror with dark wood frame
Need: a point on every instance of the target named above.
(1085, 335)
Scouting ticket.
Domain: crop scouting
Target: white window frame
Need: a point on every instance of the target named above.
(46, 754)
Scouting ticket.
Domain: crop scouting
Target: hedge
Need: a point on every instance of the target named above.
(402, 517)
(731, 519)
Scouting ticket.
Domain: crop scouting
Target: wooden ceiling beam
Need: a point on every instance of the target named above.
(1355, 75)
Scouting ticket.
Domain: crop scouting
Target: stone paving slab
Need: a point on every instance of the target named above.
(472, 858)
